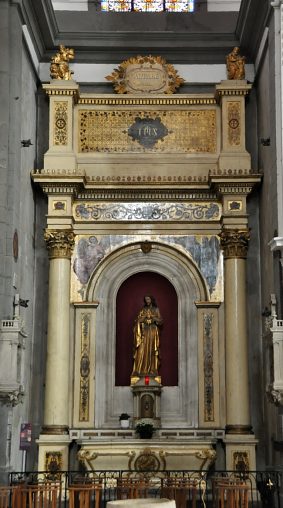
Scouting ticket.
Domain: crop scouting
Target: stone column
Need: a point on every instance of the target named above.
(56, 410)
(235, 246)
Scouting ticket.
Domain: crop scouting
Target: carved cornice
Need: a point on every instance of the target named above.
(200, 180)
(113, 100)
(119, 194)
(236, 181)
(232, 88)
(234, 243)
(59, 243)
(64, 88)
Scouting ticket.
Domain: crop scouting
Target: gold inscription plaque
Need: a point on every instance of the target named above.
(191, 131)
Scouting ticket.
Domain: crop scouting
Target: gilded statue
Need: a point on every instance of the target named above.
(235, 64)
(59, 68)
(147, 339)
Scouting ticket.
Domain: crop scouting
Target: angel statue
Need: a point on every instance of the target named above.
(59, 68)
(235, 64)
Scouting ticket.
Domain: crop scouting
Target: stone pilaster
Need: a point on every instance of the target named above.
(231, 96)
(235, 245)
(63, 95)
(56, 412)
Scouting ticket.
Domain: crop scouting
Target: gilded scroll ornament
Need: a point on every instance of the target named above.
(147, 211)
(235, 64)
(60, 123)
(145, 74)
(208, 368)
(59, 243)
(234, 122)
(84, 368)
(187, 131)
(59, 67)
(235, 243)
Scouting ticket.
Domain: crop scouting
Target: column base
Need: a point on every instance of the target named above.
(239, 429)
(55, 429)
(53, 452)
(240, 452)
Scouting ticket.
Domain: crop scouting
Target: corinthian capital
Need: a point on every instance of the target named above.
(59, 243)
(234, 243)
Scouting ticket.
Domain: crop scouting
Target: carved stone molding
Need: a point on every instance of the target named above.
(234, 243)
(60, 243)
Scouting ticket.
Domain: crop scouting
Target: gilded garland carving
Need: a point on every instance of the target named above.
(61, 123)
(235, 243)
(105, 212)
(234, 123)
(128, 131)
(84, 369)
(145, 74)
(208, 368)
(60, 243)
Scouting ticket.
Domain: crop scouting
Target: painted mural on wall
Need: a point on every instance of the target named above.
(91, 250)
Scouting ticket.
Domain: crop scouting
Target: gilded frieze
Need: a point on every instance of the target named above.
(234, 123)
(144, 211)
(60, 123)
(84, 368)
(190, 131)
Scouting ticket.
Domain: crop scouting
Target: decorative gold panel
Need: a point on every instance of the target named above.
(84, 368)
(120, 131)
(234, 123)
(60, 123)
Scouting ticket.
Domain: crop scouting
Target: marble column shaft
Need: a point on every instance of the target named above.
(56, 409)
(235, 245)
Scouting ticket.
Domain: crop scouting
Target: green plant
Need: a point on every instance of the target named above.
(124, 416)
(145, 427)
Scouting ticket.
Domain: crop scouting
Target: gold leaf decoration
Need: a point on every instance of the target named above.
(145, 74)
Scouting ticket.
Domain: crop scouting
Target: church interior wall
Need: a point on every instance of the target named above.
(22, 211)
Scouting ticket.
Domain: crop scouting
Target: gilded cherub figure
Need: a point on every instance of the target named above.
(59, 68)
(235, 64)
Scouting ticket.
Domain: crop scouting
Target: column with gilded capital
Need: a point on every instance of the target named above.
(235, 246)
(56, 410)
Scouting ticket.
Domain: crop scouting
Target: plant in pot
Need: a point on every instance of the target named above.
(145, 428)
(124, 420)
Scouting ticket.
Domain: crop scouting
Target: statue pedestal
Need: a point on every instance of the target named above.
(147, 394)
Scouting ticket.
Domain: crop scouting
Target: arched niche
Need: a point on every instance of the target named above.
(179, 404)
(130, 299)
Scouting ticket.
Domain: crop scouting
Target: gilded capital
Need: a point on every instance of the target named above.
(59, 243)
(235, 243)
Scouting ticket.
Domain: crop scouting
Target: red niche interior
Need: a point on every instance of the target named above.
(130, 299)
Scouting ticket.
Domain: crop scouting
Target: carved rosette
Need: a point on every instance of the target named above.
(59, 243)
(235, 243)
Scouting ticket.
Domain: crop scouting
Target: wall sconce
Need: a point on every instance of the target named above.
(26, 143)
(265, 141)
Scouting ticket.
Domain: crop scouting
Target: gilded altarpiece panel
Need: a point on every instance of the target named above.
(188, 131)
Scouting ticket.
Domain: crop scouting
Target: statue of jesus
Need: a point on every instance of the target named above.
(147, 339)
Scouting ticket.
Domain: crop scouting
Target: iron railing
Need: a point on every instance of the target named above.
(190, 489)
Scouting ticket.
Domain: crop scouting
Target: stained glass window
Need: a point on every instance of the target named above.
(148, 5)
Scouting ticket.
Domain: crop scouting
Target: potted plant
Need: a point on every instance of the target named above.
(124, 420)
(145, 428)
